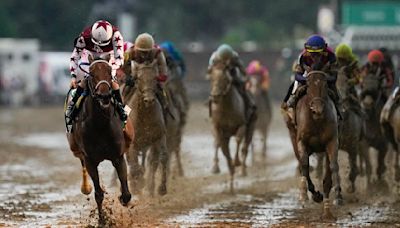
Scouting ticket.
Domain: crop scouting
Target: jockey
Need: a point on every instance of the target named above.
(99, 40)
(345, 57)
(230, 58)
(146, 51)
(315, 50)
(256, 69)
(173, 55)
(376, 65)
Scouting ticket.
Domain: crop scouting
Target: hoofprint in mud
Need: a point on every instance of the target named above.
(40, 182)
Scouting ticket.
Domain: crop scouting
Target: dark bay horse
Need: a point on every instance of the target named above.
(150, 128)
(97, 134)
(372, 102)
(317, 132)
(227, 111)
(351, 127)
(264, 110)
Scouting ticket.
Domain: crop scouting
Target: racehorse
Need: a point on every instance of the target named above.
(227, 113)
(372, 102)
(351, 127)
(264, 110)
(316, 131)
(97, 134)
(150, 128)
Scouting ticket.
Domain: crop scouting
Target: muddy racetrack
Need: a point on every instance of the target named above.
(40, 183)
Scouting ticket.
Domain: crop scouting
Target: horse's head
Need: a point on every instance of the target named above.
(371, 88)
(254, 84)
(317, 90)
(100, 81)
(146, 83)
(221, 81)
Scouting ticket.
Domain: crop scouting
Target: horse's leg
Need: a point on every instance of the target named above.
(215, 168)
(120, 166)
(99, 193)
(178, 155)
(320, 164)
(224, 140)
(86, 188)
(332, 151)
(353, 151)
(305, 172)
(327, 182)
(264, 142)
(164, 159)
(153, 162)
(238, 143)
(136, 170)
(366, 160)
(381, 161)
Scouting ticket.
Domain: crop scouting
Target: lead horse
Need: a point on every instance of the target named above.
(316, 131)
(97, 134)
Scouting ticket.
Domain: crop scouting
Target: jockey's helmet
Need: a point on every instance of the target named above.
(315, 43)
(144, 42)
(344, 51)
(225, 52)
(102, 33)
(375, 56)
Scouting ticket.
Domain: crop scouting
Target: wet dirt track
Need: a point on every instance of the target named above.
(40, 184)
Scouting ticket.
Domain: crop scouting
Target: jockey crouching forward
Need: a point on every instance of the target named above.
(145, 51)
(99, 40)
(230, 58)
(315, 51)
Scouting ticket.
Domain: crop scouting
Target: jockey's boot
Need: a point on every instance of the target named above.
(293, 98)
(120, 106)
(292, 101)
(71, 110)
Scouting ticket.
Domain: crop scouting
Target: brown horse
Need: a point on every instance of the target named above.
(372, 101)
(97, 134)
(391, 130)
(317, 132)
(264, 110)
(352, 130)
(227, 112)
(178, 105)
(150, 128)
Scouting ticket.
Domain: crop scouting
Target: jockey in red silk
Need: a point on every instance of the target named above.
(315, 50)
(100, 40)
(256, 69)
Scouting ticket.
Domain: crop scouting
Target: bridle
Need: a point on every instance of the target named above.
(96, 87)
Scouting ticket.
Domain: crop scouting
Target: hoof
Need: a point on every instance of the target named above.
(86, 189)
(215, 170)
(124, 199)
(162, 190)
(317, 197)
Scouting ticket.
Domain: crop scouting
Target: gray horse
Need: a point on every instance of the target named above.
(227, 111)
(352, 130)
(150, 128)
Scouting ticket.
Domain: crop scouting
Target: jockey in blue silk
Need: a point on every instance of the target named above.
(316, 50)
(174, 55)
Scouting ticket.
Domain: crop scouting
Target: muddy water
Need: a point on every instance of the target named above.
(40, 179)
